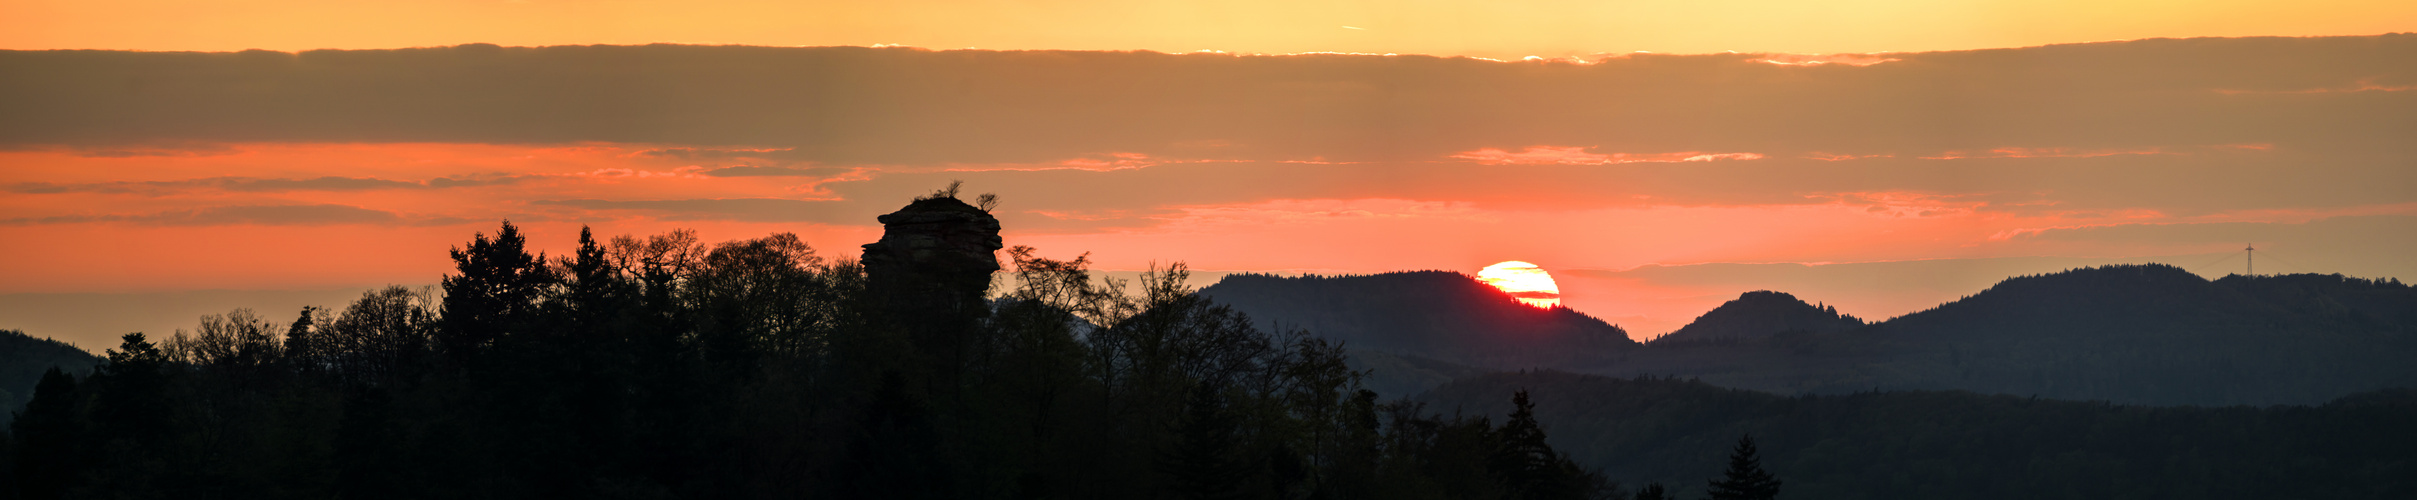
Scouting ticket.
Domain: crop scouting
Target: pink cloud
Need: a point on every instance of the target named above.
(1824, 156)
(1577, 155)
(1824, 59)
(2053, 152)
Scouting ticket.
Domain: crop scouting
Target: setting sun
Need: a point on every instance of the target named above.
(1525, 281)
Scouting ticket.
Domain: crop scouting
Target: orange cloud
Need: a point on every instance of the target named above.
(1822, 59)
(1577, 155)
(2021, 152)
(2362, 85)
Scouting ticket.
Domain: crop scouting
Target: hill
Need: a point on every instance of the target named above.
(1760, 314)
(2149, 334)
(1926, 444)
(1439, 315)
(23, 358)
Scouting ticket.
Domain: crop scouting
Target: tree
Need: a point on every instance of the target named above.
(1526, 467)
(1745, 479)
(47, 458)
(303, 345)
(134, 387)
(497, 291)
(1653, 491)
(595, 288)
(1205, 462)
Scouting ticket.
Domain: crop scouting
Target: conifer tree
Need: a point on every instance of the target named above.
(595, 286)
(1653, 491)
(1524, 465)
(1745, 479)
(498, 289)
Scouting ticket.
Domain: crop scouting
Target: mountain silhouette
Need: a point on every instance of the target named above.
(24, 358)
(1437, 315)
(2130, 333)
(1762, 313)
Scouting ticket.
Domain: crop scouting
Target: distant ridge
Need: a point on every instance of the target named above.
(24, 358)
(2153, 334)
(1439, 315)
(1862, 445)
(1762, 313)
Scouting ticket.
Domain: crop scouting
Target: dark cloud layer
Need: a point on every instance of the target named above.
(906, 106)
(736, 209)
(2197, 182)
(2347, 233)
(256, 185)
(773, 171)
(267, 215)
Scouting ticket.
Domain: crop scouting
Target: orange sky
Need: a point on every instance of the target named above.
(1634, 178)
(1500, 29)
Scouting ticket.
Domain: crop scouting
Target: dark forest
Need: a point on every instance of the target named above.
(662, 367)
(665, 367)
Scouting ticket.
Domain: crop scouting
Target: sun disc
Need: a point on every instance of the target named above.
(1524, 281)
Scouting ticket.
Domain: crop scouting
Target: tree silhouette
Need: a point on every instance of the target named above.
(47, 432)
(1205, 462)
(497, 291)
(1525, 465)
(1745, 479)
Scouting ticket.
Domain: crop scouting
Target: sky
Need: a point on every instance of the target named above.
(1879, 156)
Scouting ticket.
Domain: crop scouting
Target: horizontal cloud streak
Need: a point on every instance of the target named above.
(736, 209)
(255, 185)
(266, 215)
(762, 171)
(896, 106)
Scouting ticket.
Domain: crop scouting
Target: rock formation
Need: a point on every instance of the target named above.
(931, 269)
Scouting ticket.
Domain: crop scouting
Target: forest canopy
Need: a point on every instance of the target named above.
(664, 367)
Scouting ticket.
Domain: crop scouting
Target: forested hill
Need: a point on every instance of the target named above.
(1440, 315)
(23, 358)
(1762, 313)
(1924, 444)
(2150, 334)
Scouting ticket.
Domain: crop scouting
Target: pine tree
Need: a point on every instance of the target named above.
(1653, 491)
(1526, 466)
(1745, 479)
(595, 287)
(498, 290)
(303, 344)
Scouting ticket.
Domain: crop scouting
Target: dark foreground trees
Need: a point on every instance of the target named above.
(662, 367)
(1745, 479)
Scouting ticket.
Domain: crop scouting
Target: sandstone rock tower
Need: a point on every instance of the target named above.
(931, 268)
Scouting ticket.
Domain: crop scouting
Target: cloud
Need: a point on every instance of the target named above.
(2396, 228)
(772, 171)
(257, 185)
(850, 106)
(477, 180)
(1576, 155)
(712, 153)
(2048, 152)
(732, 209)
(1821, 59)
(265, 215)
